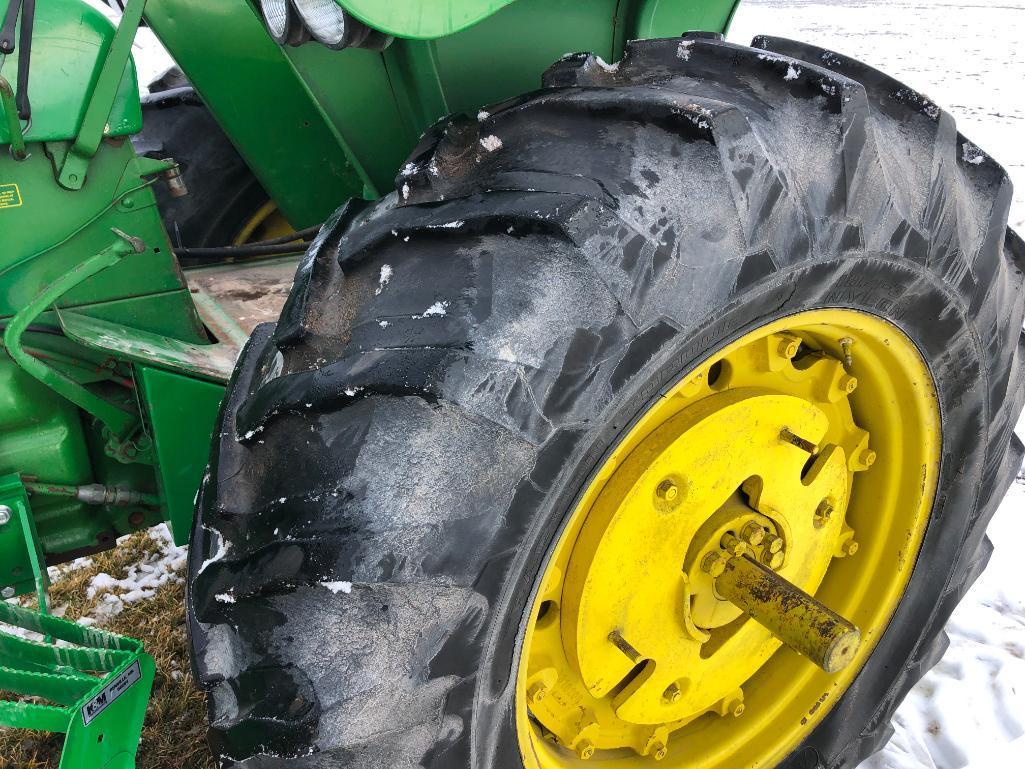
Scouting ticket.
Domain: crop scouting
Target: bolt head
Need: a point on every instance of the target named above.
(773, 560)
(737, 709)
(537, 692)
(868, 457)
(5, 514)
(672, 694)
(773, 543)
(7, 592)
(850, 547)
(788, 348)
(659, 751)
(753, 533)
(667, 490)
(714, 564)
(848, 383)
(585, 749)
(823, 513)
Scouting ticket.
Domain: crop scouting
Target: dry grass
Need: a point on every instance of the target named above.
(173, 736)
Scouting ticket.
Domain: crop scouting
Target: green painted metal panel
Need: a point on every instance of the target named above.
(74, 37)
(257, 96)
(669, 18)
(423, 20)
(182, 412)
(54, 229)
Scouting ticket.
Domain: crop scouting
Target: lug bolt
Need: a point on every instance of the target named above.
(788, 436)
(773, 560)
(753, 533)
(5, 514)
(732, 545)
(585, 749)
(850, 547)
(868, 457)
(788, 348)
(735, 707)
(714, 564)
(667, 490)
(773, 544)
(7, 592)
(823, 513)
(846, 344)
(537, 692)
(848, 383)
(659, 750)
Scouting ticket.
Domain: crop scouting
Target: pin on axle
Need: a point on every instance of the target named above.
(790, 614)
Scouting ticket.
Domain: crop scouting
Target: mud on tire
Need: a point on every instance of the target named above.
(398, 453)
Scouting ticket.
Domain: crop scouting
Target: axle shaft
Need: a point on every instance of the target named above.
(794, 617)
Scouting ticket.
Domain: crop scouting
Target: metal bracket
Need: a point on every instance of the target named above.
(10, 106)
(22, 567)
(76, 163)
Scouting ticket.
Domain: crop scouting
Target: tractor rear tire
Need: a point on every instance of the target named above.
(397, 456)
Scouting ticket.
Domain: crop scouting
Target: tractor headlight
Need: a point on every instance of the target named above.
(276, 15)
(327, 22)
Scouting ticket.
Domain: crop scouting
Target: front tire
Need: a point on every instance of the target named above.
(398, 457)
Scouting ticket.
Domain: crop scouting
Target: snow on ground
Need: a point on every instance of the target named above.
(969, 58)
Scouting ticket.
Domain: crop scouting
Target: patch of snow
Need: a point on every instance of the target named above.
(491, 143)
(222, 549)
(405, 191)
(683, 50)
(483, 115)
(972, 154)
(436, 309)
(338, 587)
(605, 65)
(383, 323)
(792, 73)
(385, 279)
(225, 597)
(157, 568)
(351, 391)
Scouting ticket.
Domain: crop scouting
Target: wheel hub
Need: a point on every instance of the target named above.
(753, 457)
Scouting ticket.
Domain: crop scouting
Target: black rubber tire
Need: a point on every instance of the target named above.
(634, 219)
(224, 194)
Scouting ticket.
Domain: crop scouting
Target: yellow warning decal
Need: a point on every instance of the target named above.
(10, 196)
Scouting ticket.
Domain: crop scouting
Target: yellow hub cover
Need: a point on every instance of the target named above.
(802, 446)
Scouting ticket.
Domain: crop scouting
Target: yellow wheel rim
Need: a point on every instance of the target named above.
(265, 224)
(810, 445)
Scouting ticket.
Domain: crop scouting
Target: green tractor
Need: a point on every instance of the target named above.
(521, 407)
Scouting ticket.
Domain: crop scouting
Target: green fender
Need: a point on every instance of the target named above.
(422, 20)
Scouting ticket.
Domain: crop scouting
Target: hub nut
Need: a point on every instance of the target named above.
(753, 533)
(773, 560)
(537, 692)
(672, 694)
(714, 564)
(5, 514)
(659, 751)
(773, 544)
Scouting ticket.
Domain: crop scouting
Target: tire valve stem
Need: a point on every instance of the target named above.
(848, 358)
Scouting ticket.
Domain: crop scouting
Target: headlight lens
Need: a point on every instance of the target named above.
(326, 20)
(276, 15)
